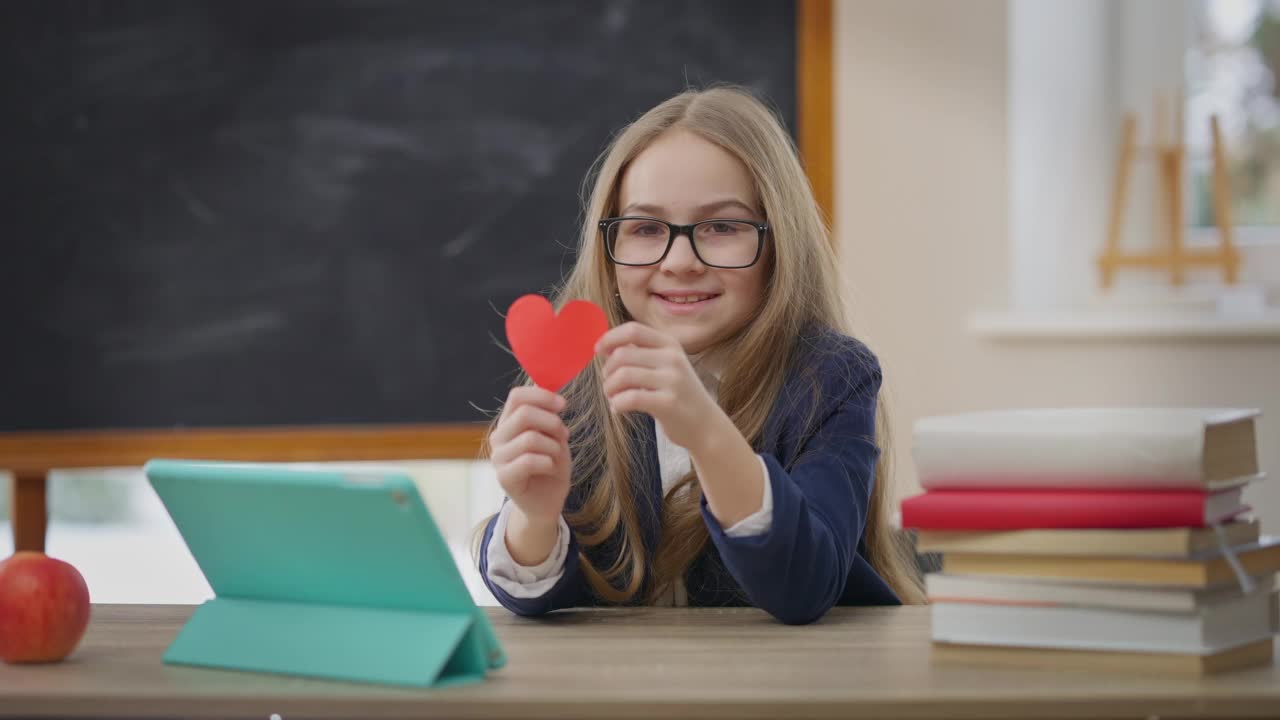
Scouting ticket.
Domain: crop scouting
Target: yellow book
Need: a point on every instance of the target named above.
(1205, 570)
(1117, 543)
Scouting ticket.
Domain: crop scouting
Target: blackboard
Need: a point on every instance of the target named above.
(301, 213)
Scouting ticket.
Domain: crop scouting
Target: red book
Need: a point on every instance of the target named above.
(1068, 509)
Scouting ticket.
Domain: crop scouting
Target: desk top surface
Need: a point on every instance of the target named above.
(633, 662)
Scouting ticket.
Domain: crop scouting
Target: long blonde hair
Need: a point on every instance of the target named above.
(803, 292)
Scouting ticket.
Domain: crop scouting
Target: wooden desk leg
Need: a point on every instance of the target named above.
(28, 510)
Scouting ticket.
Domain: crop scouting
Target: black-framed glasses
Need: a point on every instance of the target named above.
(639, 241)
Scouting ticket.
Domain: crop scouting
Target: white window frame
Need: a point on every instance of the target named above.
(1074, 69)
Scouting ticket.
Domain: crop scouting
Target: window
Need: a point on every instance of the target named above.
(1233, 71)
(1075, 68)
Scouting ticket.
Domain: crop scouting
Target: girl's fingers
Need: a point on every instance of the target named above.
(628, 378)
(632, 333)
(633, 355)
(635, 400)
(529, 417)
(533, 395)
(523, 468)
(529, 441)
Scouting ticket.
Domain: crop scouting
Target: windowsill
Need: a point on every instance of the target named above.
(1104, 325)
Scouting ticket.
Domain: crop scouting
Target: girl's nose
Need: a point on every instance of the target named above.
(681, 257)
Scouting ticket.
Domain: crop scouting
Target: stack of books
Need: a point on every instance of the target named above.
(1095, 538)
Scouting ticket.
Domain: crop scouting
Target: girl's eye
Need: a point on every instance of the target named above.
(648, 229)
(728, 228)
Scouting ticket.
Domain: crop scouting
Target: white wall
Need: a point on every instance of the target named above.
(922, 211)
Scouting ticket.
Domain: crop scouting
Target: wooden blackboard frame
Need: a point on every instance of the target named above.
(30, 456)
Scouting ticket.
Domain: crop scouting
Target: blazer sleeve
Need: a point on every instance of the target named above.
(567, 592)
(798, 569)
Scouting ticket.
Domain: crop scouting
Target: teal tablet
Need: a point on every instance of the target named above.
(318, 572)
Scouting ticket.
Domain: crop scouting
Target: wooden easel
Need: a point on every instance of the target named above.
(1172, 256)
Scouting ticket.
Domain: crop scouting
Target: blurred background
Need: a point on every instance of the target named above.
(215, 206)
(977, 157)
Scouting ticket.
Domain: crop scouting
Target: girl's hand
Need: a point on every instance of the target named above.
(648, 371)
(530, 452)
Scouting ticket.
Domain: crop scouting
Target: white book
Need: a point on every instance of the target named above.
(978, 589)
(1135, 448)
(1205, 630)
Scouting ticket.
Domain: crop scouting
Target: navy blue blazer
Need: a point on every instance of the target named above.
(819, 446)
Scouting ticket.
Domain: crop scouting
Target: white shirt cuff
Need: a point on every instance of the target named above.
(759, 522)
(520, 580)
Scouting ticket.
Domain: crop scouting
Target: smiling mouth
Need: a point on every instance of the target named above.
(685, 299)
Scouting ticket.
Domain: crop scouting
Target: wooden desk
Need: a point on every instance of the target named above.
(631, 663)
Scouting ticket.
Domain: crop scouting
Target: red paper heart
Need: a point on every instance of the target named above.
(554, 348)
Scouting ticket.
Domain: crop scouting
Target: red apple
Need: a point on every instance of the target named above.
(44, 608)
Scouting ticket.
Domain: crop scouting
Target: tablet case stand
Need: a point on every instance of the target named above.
(396, 647)
(294, 597)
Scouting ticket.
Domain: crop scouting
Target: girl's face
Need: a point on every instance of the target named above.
(683, 179)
